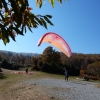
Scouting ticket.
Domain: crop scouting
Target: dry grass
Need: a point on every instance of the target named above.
(9, 79)
(11, 89)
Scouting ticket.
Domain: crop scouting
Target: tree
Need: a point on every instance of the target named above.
(35, 61)
(51, 60)
(0, 58)
(16, 16)
(93, 69)
(5, 64)
(49, 55)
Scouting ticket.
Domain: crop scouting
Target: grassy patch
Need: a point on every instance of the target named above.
(9, 76)
(2, 76)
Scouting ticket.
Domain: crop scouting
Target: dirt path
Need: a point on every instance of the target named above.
(13, 89)
(25, 87)
(23, 92)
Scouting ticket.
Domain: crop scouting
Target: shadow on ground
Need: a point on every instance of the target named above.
(2, 76)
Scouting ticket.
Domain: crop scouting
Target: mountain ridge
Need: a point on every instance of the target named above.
(20, 53)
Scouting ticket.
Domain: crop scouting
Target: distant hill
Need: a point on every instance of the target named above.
(21, 53)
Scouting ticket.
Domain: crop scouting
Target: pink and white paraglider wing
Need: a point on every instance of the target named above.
(56, 41)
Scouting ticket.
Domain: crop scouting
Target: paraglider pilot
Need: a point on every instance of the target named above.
(66, 75)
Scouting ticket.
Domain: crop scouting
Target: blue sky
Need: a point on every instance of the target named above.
(77, 21)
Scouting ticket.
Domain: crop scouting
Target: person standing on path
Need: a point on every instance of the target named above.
(66, 75)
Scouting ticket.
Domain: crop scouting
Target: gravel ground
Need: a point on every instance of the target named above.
(71, 90)
(47, 89)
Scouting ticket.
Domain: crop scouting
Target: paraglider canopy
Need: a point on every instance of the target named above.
(56, 41)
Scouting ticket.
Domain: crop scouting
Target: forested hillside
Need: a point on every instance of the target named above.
(52, 61)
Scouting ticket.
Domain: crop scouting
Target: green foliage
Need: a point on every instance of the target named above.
(46, 67)
(53, 67)
(40, 2)
(16, 15)
(6, 65)
(50, 68)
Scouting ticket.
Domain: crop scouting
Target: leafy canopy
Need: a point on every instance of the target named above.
(40, 2)
(16, 16)
(49, 55)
